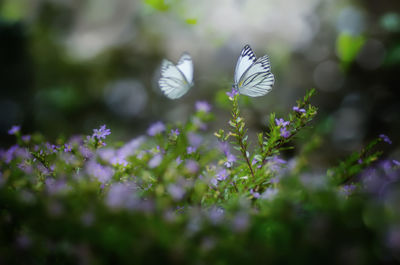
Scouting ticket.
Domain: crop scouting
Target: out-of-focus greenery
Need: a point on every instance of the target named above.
(239, 180)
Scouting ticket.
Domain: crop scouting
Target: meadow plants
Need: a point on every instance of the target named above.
(179, 194)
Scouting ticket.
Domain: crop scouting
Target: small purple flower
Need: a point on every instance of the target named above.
(176, 191)
(224, 147)
(25, 167)
(51, 148)
(255, 194)
(67, 148)
(26, 138)
(155, 161)
(347, 190)
(86, 152)
(192, 166)
(281, 122)
(222, 175)
(101, 133)
(203, 106)
(190, 150)
(284, 132)
(156, 128)
(195, 139)
(275, 163)
(230, 159)
(178, 160)
(9, 155)
(175, 132)
(385, 138)
(122, 195)
(14, 130)
(214, 182)
(240, 222)
(233, 93)
(56, 186)
(201, 125)
(395, 162)
(297, 109)
(102, 173)
(269, 194)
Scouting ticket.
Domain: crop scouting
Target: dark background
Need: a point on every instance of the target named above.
(67, 67)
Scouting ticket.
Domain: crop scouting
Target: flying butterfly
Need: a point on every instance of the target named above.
(177, 79)
(253, 76)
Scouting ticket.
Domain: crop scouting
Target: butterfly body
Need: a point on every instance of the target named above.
(253, 76)
(177, 79)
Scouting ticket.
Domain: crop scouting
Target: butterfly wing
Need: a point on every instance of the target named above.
(245, 60)
(258, 79)
(172, 82)
(185, 65)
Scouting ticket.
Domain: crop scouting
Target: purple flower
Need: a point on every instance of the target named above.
(101, 133)
(224, 147)
(275, 163)
(9, 155)
(51, 148)
(56, 186)
(131, 147)
(201, 125)
(122, 195)
(156, 128)
(297, 109)
(347, 190)
(155, 161)
(175, 132)
(230, 159)
(395, 162)
(190, 150)
(67, 148)
(240, 222)
(385, 138)
(216, 215)
(233, 93)
(284, 132)
(178, 160)
(176, 191)
(222, 175)
(194, 139)
(86, 152)
(269, 194)
(102, 173)
(192, 166)
(255, 194)
(203, 106)
(118, 160)
(281, 122)
(214, 182)
(14, 130)
(26, 138)
(25, 167)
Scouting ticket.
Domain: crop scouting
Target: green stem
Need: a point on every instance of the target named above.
(240, 134)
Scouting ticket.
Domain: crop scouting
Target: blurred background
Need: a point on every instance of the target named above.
(68, 66)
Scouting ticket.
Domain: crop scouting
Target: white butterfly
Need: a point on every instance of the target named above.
(176, 80)
(253, 76)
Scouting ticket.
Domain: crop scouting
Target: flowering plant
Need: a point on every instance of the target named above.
(180, 195)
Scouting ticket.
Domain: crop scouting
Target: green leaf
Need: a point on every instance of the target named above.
(348, 46)
(191, 21)
(158, 4)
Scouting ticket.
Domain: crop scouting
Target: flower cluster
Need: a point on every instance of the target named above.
(176, 184)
